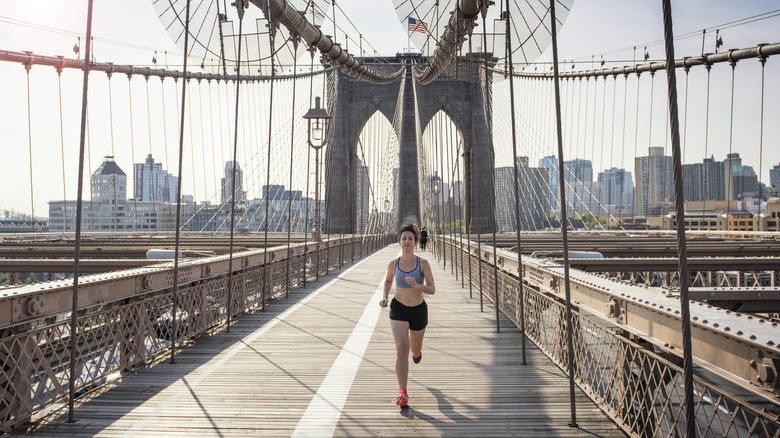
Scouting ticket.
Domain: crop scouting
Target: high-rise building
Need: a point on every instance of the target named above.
(227, 182)
(774, 176)
(152, 183)
(741, 181)
(362, 196)
(703, 181)
(551, 164)
(654, 182)
(617, 190)
(532, 196)
(109, 183)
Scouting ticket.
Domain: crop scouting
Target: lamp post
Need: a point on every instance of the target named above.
(436, 189)
(386, 217)
(316, 118)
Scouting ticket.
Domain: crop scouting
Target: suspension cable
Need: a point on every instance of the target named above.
(564, 224)
(234, 165)
(271, 38)
(132, 151)
(178, 187)
(292, 154)
(520, 284)
(77, 250)
(62, 148)
(151, 168)
(761, 139)
(690, 415)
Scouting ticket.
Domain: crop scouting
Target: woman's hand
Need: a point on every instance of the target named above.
(383, 303)
(410, 281)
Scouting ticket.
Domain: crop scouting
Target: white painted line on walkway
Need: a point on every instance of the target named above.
(235, 350)
(324, 411)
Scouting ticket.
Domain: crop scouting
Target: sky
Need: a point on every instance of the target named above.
(130, 33)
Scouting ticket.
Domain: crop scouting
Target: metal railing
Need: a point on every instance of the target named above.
(116, 335)
(640, 389)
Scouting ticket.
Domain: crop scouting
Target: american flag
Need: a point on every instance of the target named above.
(417, 26)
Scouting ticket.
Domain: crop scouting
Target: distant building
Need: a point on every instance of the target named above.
(152, 183)
(770, 220)
(227, 183)
(551, 164)
(12, 222)
(533, 197)
(617, 190)
(654, 182)
(109, 210)
(774, 176)
(704, 181)
(362, 197)
(741, 181)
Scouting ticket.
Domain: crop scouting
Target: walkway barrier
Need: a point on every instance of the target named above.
(126, 318)
(639, 388)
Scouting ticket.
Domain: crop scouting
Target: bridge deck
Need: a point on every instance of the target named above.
(322, 362)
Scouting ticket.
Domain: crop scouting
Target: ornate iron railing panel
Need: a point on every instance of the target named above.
(118, 335)
(639, 388)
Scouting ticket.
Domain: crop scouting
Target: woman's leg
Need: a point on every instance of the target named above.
(401, 335)
(416, 341)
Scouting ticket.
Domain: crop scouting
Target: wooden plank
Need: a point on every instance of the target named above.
(259, 379)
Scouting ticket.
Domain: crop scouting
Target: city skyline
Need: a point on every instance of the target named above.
(140, 32)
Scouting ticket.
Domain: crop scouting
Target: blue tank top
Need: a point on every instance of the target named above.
(415, 273)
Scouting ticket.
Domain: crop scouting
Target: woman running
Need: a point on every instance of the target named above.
(408, 310)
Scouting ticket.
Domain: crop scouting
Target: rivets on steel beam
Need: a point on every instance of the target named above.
(704, 321)
(752, 337)
(770, 343)
(695, 318)
(739, 332)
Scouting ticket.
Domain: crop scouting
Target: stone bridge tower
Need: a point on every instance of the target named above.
(456, 92)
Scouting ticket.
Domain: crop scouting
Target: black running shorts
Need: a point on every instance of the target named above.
(417, 316)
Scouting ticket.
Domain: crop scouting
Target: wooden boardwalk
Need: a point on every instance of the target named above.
(321, 363)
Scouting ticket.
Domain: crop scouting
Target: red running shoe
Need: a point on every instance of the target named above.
(403, 399)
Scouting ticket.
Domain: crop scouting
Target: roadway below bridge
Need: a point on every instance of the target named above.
(321, 363)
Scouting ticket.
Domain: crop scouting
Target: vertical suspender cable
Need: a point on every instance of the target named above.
(292, 144)
(488, 110)
(475, 177)
(179, 184)
(111, 124)
(623, 148)
(730, 169)
(240, 7)
(132, 150)
(517, 189)
(77, 249)
(89, 166)
(27, 67)
(192, 145)
(463, 213)
(165, 137)
(308, 171)
(761, 59)
(680, 205)
(636, 143)
(62, 146)
(685, 114)
(151, 170)
(271, 39)
(202, 142)
(564, 222)
(706, 141)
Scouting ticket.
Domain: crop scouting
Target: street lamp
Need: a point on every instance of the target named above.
(436, 189)
(316, 118)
